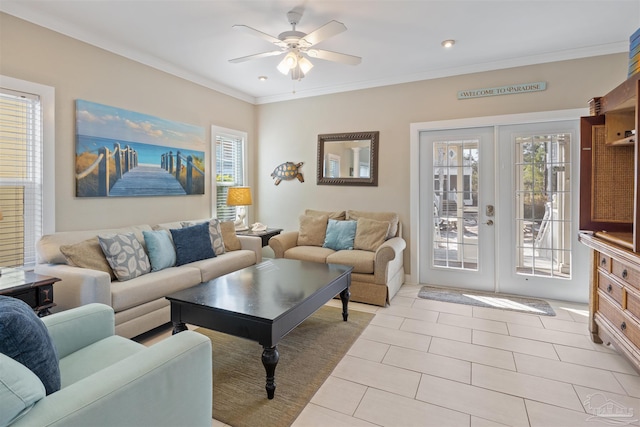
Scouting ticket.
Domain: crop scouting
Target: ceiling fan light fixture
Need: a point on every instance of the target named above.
(289, 62)
(304, 64)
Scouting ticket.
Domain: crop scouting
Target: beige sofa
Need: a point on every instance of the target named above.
(139, 303)
(376, 255)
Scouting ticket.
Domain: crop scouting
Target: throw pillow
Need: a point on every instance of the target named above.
(87, 254)
(162, 254)
(25, 339)
(340, 235)
(229, 237)
(339, 215)
(20, 389)
(192, 243)
(379, 216)
(215, 232)
(312, 230)
(125, 255)
(370, 234)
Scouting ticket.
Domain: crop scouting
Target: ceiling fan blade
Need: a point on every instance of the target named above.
(329, 29)
(256, 56)
(260, 34)
(334, 56)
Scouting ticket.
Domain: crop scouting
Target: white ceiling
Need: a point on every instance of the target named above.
(398, 40)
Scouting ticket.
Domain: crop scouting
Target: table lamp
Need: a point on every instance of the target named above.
(241, 197)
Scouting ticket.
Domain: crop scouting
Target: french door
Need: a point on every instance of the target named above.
(498, 210)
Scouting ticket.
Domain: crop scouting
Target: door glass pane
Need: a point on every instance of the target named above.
(455, 204)
(543, 205)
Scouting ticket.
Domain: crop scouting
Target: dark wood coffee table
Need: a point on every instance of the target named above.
(263, 303)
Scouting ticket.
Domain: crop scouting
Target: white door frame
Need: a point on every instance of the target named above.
(474, 122)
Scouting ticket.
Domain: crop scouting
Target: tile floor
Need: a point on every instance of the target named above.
(428, 363)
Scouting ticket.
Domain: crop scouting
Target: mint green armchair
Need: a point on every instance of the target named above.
(107, 380)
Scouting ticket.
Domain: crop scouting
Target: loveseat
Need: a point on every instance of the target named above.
(78, 259)
(370, 242)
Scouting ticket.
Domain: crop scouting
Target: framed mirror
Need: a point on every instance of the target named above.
(348, 158)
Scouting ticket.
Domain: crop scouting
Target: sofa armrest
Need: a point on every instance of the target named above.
(167, 384)
(283, 241)
(77, 286)
(388, 259)
(72, 330)
(252, 243)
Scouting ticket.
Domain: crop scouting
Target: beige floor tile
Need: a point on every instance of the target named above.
(216, 423)
(473, 353)
(631, 384)
(571, 311)
(443, 307)
(554, 337)
(339, 395)
(399, 338)
(515, 344)
(526, 386)
(367, 349)
(507, 316)
(481, 422)
(437, 330)
(487, 404)
(392, 322)
(407, 290)
(317, 416)
(372, 374)
(544, 415)
(565, 325)
(595, 359)
(427, 363)
(568, 372)
(402, 301)
(410, 313)
(473, 323)
(391, 410)
(592, 399)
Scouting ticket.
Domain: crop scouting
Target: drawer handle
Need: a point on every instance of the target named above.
(603, 262)
(624, 273)
(623, 326)
(609, 288)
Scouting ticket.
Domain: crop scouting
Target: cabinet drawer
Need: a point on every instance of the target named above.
(633, 303)
(622, 323)
(604, 262)
(610, 287)
(625, 273)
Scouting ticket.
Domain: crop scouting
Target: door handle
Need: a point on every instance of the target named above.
(489, 222)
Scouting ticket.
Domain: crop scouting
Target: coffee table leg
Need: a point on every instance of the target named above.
(179, 327)
(270, 357)
(344, 297)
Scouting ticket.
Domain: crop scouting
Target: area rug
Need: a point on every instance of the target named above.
(308, 355)
(488, 299)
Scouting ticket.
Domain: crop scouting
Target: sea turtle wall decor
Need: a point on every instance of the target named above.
(287, 171)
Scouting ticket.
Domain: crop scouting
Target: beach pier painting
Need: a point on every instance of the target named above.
(121, 153)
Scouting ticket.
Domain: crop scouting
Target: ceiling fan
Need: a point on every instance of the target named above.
(296, 44)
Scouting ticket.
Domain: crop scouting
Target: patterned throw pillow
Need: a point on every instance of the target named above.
(125, 255)
(215, 232)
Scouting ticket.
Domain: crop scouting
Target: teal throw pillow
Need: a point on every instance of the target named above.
(20, 389)
(162, 254)
(340, 235)
(192, 243)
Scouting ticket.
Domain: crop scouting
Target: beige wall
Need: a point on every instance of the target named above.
(80, 71)
(288, 131)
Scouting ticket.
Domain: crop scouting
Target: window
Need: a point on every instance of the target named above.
(229, 166)
(25, 194)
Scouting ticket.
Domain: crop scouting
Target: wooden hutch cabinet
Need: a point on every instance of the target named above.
(610, 216)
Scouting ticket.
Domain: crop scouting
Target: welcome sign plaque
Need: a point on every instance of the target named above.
(502, 90)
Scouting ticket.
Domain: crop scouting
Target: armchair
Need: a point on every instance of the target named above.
(108, 380)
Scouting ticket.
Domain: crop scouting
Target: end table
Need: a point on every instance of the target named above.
(34, 289)
(264, 235)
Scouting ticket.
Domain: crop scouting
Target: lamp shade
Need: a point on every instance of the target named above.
(239, 196)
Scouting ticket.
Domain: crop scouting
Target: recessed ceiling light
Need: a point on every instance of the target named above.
(262, 78)
(448, 43)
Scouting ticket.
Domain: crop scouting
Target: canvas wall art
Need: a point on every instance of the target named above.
(121, 153)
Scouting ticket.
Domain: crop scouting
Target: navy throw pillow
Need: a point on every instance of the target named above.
(24, 338)
(192, 243)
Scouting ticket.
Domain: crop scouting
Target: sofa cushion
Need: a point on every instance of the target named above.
(224, 264)
(125, 255)
(308, 253)
(370, 234)
(25, 339)
(337, 215)
(192, 243)
(87, 254)
(361, 261)
(162, 254)
(312, 230)
(392, 217)
(20, 389)
(231, 241)
(340, 235)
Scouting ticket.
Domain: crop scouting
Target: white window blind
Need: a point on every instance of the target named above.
(230, 170)
(20, 177)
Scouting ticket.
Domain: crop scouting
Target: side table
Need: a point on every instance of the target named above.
(34, 289)
(264, 235)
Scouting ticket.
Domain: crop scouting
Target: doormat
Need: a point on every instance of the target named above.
(488, 299)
